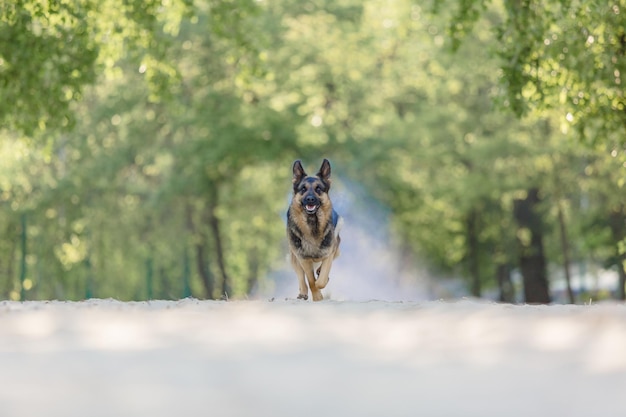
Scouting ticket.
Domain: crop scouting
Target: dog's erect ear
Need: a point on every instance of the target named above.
(298, 173)
(324, 170)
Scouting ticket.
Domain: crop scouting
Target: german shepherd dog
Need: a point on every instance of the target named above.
(312, 230)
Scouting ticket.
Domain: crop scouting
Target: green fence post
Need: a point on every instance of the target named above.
(186, 273)
(23, 260)
(149, 275)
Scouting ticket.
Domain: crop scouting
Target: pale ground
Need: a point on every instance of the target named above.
(288, 358)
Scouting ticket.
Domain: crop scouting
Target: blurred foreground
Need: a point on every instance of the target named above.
(160, 358)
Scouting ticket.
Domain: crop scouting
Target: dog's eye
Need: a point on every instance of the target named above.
(302, 189)
(318, 189)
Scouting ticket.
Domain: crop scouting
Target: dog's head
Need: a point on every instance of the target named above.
(311, 192)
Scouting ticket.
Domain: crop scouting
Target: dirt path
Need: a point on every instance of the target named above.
(259, 358)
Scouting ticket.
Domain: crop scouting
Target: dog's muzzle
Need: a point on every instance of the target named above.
(310, 204)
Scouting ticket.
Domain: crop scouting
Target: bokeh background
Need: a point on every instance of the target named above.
(478, 147)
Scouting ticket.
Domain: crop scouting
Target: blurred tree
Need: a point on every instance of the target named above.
(602, 222)
(569, 55)
(166, 164)
(415, 125)
(532, 258)
(173, 180)
(52, 50)
(48, 54)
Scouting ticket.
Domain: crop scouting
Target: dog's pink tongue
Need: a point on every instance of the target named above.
(310, 208)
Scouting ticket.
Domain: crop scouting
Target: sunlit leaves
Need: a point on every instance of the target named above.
(53, 49)
(48, 55)
(569, 55)
(186, 112)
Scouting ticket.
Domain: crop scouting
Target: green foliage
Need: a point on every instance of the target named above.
(48, 55)
(564, 55)
(159, 135)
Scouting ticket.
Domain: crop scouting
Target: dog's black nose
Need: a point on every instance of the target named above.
(309, 199)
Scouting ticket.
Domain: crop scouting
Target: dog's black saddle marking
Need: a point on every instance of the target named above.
(335, 218)
(327, 240)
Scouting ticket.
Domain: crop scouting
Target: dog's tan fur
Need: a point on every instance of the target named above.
(313, 237)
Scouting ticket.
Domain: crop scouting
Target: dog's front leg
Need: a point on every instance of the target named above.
(303, 290)
(307, 265)
(324, 275)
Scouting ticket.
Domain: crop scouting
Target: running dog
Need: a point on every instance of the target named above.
(312, 230)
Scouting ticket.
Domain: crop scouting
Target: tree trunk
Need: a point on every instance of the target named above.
(215, 226)
(253, 268)
(617, 222)
(164, 285)
(532, 259)
(214, 223)
(473, 258)
(566, 251)
(200, 244)
(202, 264)
(505, 285)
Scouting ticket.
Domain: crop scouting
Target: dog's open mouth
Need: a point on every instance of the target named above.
(310, 208)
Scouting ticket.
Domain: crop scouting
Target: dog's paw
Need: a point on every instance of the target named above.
(303, 297)
(317, 296)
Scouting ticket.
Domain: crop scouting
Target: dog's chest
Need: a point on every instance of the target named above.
(311, 240)
(315, 247)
